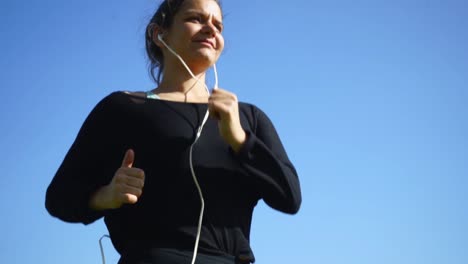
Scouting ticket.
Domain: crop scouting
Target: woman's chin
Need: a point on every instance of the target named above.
(203, 60)
(207, 56)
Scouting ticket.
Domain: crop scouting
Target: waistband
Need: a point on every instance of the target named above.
(174, 256)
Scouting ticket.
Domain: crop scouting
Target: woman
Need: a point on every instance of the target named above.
(136, 155)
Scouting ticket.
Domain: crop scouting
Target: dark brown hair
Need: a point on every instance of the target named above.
(163, 19)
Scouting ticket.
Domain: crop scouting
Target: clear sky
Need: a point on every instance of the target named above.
(370, 99)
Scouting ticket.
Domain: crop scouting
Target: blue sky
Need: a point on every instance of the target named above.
(370, 99)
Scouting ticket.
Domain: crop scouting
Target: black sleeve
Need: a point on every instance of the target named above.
(264, 157)
(86, 167)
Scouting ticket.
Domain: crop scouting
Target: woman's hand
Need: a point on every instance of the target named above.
(224, 107)
(125, 188)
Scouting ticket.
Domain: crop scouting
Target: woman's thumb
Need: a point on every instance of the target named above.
(128, 159)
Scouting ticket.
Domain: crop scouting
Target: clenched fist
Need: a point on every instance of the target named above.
(224, 107)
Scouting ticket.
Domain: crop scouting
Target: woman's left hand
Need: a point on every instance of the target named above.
(224, 107)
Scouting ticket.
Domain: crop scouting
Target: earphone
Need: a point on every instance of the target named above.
(202, 201)
(198, 134)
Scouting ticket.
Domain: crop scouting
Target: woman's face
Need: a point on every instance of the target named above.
(195, 34)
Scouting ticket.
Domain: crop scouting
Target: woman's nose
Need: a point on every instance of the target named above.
(210, 29)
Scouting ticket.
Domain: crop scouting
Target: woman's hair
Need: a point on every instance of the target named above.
(163, 19)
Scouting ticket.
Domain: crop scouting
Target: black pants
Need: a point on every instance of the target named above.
(174, 256)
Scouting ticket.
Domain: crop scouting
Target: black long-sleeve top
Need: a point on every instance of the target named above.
(166, 215)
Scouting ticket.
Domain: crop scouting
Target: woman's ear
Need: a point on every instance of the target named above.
(155, 32)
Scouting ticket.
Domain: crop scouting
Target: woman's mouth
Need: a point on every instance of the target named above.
(206, 42)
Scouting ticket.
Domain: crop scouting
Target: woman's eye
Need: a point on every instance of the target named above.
(195, 19)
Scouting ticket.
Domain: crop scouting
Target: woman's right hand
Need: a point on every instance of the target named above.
(125, 188)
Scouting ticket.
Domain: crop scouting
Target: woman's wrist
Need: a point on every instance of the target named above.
(239, 141)
(97, 200)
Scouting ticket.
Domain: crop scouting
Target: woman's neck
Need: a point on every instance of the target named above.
(179, 85)
(177, 79)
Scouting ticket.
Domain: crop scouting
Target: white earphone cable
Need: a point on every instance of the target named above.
(197, 136)
(195, 180)
(102, 249)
